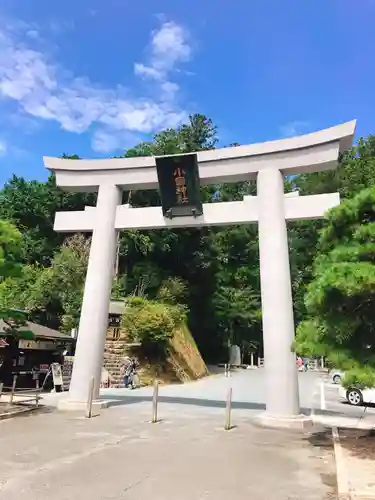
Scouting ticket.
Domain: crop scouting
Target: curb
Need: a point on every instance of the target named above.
(344, 487)
(343, 491)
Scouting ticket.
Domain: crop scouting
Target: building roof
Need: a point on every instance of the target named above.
(39, 331)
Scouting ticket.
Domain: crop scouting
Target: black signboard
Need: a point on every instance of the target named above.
(179, 185)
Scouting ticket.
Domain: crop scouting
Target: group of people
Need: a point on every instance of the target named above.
(129, 370)
(303, 364)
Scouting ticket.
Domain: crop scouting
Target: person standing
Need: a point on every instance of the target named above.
(305, 364)
(133, 368)
(299, 363)
(127, 371)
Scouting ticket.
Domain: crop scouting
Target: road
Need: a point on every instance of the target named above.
(326, 403)
(120, 455)
(318, 398)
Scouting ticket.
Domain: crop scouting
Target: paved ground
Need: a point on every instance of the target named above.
(188, 455)
(207, 396)
(120, 455)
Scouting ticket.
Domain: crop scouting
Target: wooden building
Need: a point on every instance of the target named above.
(33, 350)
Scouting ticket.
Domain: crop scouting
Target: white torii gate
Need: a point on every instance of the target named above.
(268, 163)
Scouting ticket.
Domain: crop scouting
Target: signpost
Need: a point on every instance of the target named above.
(179, 185)
(67, 370)
(57, 376)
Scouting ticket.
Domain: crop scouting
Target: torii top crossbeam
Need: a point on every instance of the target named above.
(306, 153)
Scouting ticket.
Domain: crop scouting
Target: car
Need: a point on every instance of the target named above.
(357, 397)
(336, 376)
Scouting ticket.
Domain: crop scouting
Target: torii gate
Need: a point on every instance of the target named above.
(267, 163)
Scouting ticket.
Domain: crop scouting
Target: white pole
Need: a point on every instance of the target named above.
(90, 398)
(228, 408)
(155, 397)
(94, 315)
(276, 293)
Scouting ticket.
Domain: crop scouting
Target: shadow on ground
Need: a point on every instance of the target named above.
(205, 403)
(321, 439)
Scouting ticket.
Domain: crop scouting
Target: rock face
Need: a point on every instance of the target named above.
(183, 361)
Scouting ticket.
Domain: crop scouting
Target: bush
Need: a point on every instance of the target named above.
(148, 321)
(361, 377)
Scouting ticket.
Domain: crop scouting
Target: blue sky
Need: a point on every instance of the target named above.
(95, 77)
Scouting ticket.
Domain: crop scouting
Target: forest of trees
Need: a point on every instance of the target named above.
(331, 261)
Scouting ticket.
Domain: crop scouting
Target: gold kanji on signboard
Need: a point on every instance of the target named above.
(181, 189)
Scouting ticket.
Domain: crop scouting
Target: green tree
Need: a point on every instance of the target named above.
(355, 172)
(52, 295)
(10, 249)
(31, 207)
(340, 300)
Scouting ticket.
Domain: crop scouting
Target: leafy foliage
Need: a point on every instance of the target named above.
(10, 249)
(52, 294)
(340, 300)
(172, 291)
(31, 206)
(149, 321)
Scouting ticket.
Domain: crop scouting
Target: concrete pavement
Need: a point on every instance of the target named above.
(120, 455)
(209, 393)
(188, 455)
(318, 397)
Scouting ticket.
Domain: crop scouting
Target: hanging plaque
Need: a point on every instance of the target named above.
(179, 185)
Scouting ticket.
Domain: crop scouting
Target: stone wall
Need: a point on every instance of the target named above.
(183, 362)
(114, 358)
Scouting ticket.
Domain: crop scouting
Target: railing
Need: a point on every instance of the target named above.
(19, 396)
(313, 365)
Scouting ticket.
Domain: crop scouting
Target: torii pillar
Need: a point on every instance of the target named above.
(281, 381)
(267, 163)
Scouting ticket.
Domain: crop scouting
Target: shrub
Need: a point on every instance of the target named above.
(361, 377)
(148, 321)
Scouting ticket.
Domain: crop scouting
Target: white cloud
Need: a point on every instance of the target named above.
(33, 34)
(106, 141)
(295, 128)
(43, 90)
(3, 147)
(169, 47)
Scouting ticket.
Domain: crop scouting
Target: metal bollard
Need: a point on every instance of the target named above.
(13, 390)
(37, 394)
(228, 406)
(1, 388)
(155, 402)
(226, 369)
(90, 398)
